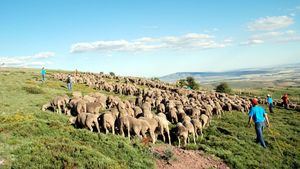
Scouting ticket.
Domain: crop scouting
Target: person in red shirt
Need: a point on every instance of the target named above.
(285, 101)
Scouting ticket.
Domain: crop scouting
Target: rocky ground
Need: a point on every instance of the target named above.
(170, 157)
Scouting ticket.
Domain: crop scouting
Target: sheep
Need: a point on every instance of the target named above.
(153, 125)
(205, 120)
(59, 103)
(137, 111)
(89, 99)
(182, 132)
(108, 120)
(218, 109)
(197, 126)
(190, 127)
(77, 94)
(85, 120)
(138, 126)
(172, 115)
(161, 108)
(93, 107)
(163, 124)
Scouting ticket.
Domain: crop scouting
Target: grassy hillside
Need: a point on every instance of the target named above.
(34, 139)
(230, 139)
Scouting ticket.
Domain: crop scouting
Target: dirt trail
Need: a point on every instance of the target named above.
(170, 157)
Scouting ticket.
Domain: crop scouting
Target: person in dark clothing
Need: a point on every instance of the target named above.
(285, 101)
(69, 82)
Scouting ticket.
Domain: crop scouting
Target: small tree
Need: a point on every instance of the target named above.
(191, 82)
(155, 79)
(112, 74)
(223, 88)
(181, 83)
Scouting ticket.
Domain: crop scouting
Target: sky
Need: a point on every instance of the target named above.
(149, 38)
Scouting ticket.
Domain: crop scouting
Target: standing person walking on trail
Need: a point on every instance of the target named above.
(69, 82)
(258, 115)
(270, 103)
(43, 73)
(285, 101)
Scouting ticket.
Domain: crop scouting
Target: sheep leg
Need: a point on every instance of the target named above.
(97, 126)
(178, 141)
(113, 128)
(128, 132)
(152, 135)
(194, 138)
(201, 132)
(122, 130)
(204, 124)
(162, 133)
(90, 127)
(105, 127)
(169, 137)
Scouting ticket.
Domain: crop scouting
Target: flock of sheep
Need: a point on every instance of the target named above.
(156, 106)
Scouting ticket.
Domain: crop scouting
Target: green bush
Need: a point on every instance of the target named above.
(223, 88)
(112, 74)
(189, 82)
(33, 90)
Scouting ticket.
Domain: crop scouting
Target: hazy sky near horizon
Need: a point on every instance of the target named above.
(149, 38)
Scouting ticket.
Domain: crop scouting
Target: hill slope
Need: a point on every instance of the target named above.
(284, 75)
(34, 139)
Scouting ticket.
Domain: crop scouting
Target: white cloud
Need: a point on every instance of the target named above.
(252, 42)
(273, 36)
(270, 23)
(26, 61)
(44, 55)
(187, 41)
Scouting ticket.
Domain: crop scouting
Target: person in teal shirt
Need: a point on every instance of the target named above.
(43, 73)
(258, 115)
(270, 103)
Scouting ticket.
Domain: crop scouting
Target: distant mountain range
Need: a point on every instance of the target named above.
(283, 75)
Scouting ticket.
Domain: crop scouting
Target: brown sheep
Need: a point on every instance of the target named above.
(86, 120)
(108, 120)
(197, 126)
(138, 126)
(190, 127)
(163, 125)
(205, 120)
(182, 132)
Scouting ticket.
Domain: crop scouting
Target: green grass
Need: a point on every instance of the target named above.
(31, 138)
(275, 92)
(230, 139)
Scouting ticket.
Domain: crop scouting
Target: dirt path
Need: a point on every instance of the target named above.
(170, 157)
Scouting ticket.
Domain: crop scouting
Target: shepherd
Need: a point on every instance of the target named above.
(258, 115)
(69, 82)
(285, 101)
(270, 103)
(43, 73)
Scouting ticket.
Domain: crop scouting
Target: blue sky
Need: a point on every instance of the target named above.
(149, 38)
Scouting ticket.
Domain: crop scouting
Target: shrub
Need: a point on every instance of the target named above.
(181, 83)
(223, 88)
(189, 82)
(156, 79)
(33, 90)
(192, 83)
(112, 74)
